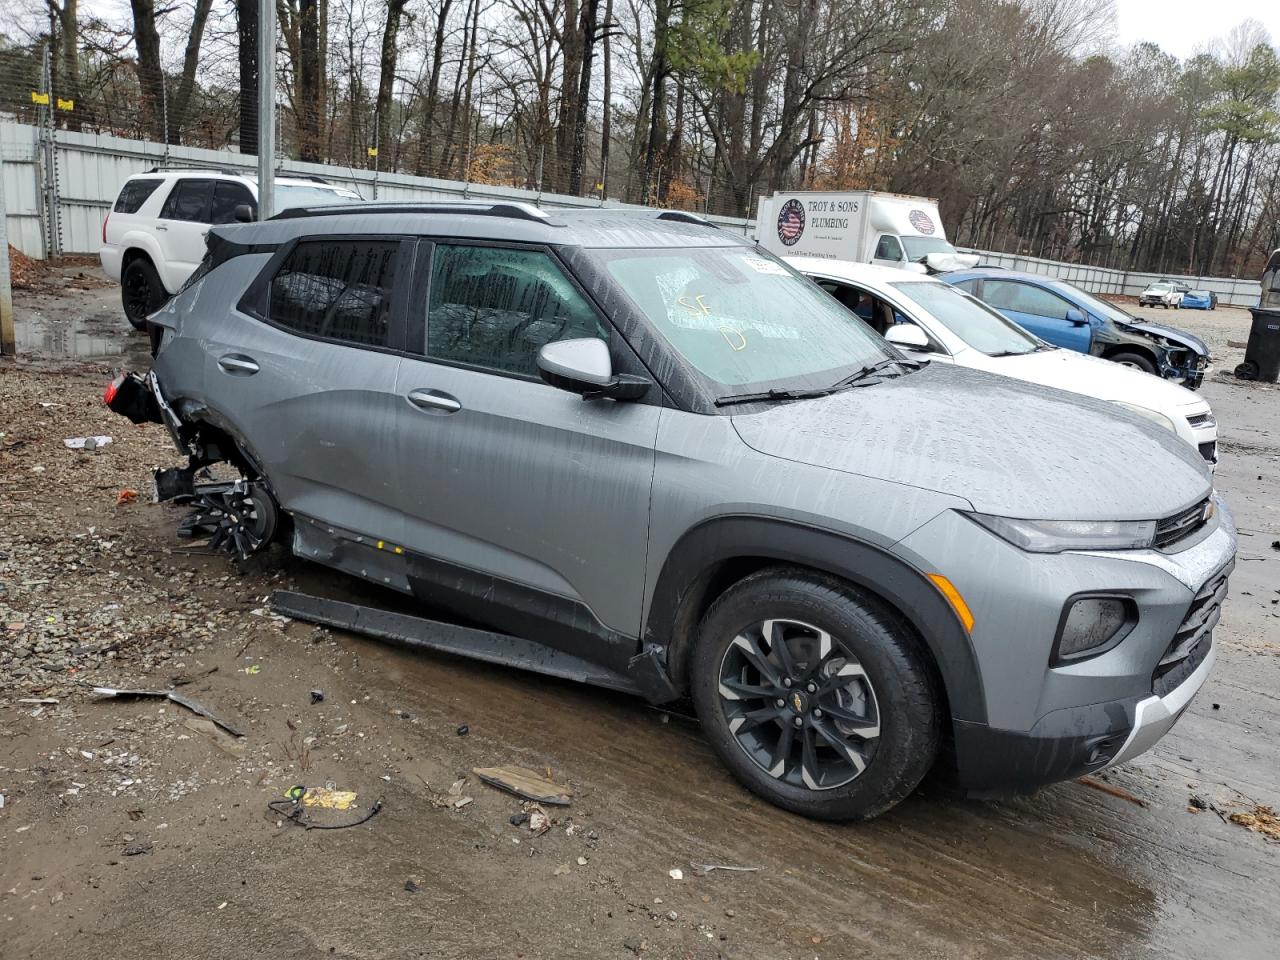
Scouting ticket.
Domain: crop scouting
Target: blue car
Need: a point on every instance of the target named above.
(1199, 300)
(1068, 317)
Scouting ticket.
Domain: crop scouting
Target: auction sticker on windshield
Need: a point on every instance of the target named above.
(761, 265)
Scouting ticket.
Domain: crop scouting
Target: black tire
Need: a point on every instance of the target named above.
(1133, 359)
(141, 292)
(890, 683)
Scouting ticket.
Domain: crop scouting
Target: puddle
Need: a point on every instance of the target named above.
(69, 328)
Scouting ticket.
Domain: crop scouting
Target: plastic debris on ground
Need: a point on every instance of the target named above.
(126, 496)
(702, 869)
(329, 799)
(85, 443)
(300, 801)
(457, 799)
(178, 698)
(525, 784)
(539, 822)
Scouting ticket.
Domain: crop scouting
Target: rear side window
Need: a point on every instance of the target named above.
(188, 200)
(227, 195)
(339, 290)
(134, 194)
(1024, 298)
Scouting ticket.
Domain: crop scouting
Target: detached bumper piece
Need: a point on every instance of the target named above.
(131, 396)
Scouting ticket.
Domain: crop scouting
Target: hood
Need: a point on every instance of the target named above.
(1101, 379)
(1180, 337)
(1009, 448)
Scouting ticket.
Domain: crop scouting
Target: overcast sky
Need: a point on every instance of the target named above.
(1181, 27)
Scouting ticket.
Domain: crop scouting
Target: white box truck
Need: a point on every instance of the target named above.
(864, 226)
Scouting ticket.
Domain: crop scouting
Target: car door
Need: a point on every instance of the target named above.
(304, 370)
(526, 493)
(888, 251)
(882, 316)
(181, 229)
(227, 196)
(1044, 313)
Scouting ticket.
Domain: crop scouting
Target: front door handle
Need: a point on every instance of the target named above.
(238, 365)
(433, 401)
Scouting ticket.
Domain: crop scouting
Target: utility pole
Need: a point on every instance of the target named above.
(266, 108)
(7, 345)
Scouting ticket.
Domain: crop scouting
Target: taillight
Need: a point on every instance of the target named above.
(104, 227)
(110, 393)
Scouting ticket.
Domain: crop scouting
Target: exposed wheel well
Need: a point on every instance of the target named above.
(721, 575)
(1132, 348)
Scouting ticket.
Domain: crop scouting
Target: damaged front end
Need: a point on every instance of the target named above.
(1182, 357)
(238, 517)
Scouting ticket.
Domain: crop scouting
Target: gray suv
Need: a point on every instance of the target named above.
(642, 452)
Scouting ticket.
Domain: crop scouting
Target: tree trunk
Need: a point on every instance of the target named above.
(179, 115)
(658, 108)
(247, 34)
(606, 122)
(423, 166)
(150, 78)
(588, 28)
(310, 96)
(387, 78)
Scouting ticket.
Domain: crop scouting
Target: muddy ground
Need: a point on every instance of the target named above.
(136, 829)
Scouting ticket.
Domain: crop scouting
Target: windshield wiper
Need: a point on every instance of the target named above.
(1013, 353)
(872, 370)
(766, 396)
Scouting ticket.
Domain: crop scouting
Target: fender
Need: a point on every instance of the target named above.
(721, 550)
(141, 240)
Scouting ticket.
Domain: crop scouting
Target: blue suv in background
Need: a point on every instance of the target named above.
(1068, 317)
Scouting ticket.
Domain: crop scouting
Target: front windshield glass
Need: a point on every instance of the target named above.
(1204, 294)
(744, 320)
(920, 247)
(1096, 306)
(298, 195)
(970, 319)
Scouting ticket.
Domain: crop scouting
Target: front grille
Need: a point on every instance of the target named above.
(1190, 645)
(1209, 451)
(1202, 420)
(1172, 529)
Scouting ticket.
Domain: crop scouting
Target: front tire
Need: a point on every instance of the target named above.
(1136, 360)
(815, 695)
(141, 292)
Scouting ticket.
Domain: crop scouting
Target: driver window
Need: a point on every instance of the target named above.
(1024, 298)
(496, 307)
(888, 248)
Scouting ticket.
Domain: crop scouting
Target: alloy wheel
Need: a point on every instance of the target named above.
(799, 704)
(137, 290)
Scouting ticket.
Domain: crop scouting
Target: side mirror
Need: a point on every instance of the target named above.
(243, 213)
(584, 366)
(1076, 317)
(908, 336)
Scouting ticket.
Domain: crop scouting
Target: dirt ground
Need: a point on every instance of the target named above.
(137, 829)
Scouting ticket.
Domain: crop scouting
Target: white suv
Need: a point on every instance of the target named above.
(154, 236)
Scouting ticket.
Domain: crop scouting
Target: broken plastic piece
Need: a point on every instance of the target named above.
(328, 799)
(85, 443)
(173, 695)
(525, 783)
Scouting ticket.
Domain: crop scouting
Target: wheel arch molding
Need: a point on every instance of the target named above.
(718, 552)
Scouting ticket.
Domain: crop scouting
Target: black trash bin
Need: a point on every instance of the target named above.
(1262, 355)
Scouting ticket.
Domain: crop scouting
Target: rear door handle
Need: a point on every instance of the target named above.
(161, 226)
(434, 401)
(238, 365)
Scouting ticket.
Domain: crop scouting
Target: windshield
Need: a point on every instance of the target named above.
(742, 319)
(1097, 306)
(920, 247)
(300, 195)
(970, 319)
(1204, 294)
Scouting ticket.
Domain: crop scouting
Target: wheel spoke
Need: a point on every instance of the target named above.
(754, 718)
(841, 746)
(782, 751)
(809, 771)
(775, 635)
(739, 690)
(865, 728)
(841, 678)
(755, 656)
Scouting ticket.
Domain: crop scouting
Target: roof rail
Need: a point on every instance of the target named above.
(684, 216)
(227, 171)
(513, 211)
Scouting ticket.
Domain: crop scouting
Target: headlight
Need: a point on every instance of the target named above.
(1151, 415)
(1055, 536)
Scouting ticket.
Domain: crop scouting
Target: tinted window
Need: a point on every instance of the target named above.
(337, 289)
(1024, 298)
(968, 286)
(134, 194)
(227, 195)
(888, 248)
(496, 308)
(188, 200)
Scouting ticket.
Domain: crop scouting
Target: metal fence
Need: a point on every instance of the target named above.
(60, 186)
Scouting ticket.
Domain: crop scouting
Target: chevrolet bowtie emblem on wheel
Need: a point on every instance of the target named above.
(797, 702)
